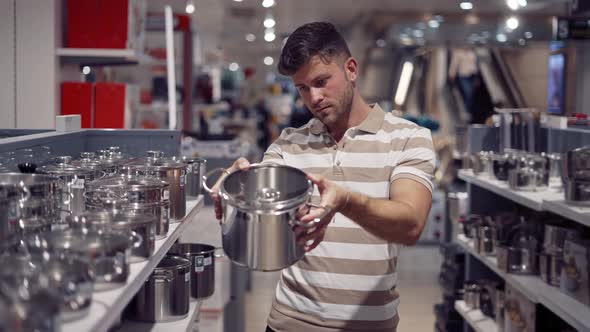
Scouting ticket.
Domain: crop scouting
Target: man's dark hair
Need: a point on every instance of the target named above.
(317, 38)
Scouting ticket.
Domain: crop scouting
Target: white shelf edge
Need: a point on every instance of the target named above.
(102, 56)
(578, 214)
(536, 290)
(475, 318)
(115, 300)
(186, 324)
(530, 200)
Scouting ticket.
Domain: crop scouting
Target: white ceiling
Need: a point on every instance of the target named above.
(223, 24)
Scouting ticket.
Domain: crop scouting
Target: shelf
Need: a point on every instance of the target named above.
(533, 200)
(186, 324)
(549, 201)
(575, 213)
(102, 56)
(114, 301)
(526, 284)
(475, 318)
(536, 290)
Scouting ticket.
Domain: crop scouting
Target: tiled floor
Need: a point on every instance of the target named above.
(418, 269)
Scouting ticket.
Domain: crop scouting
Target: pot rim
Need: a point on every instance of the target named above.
(272, 207)
(192, 253)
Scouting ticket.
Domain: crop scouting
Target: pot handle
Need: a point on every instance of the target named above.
(316, 221)
(137, 240)
(206, 177)
(219, 255)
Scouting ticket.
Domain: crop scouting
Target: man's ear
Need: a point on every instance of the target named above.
(351, 69)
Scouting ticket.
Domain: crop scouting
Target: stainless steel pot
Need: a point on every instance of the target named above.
(140, 228)
(577, 164)
(28, 203)
(517, 260)
(577, 192)
(116, 206)
(28, 311)
(72, 181)
(471, 295)
(165, 294)
(485, 241)
(550, 267)
(525, 179)
(555, 236)
(169, 171)
(202, 257)
(196, 168)
(135, 189)
(259, 207)
(70, 277)
(107, 252)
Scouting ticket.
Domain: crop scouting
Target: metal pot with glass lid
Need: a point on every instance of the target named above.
(167, 170)
(259, 211)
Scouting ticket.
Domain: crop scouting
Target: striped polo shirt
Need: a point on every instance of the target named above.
(348, 281)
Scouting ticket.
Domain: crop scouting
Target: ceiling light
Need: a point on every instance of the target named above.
(86, 70)
(418, 33)
(512, 23)
(438, 18)
(512, 4)
(190, 7)
(250, 37)
(466, 5)
(380, 43)
(268, 3)
(268, 60)
(501, 38)
(522, 3)
(237, 0)
(234, 66)
(433, 23)
(528, 35)
(269, 22)
(269, 35)
(521, 42)
(404, 83)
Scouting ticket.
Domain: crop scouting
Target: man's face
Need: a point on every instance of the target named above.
(327, 89)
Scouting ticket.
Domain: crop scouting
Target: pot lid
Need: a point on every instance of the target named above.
(63, 167)
(125, 182)
(155, 160)
(267, 187)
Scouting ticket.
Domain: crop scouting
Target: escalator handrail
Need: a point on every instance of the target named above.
(512, 89)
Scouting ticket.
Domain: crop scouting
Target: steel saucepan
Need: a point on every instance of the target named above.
(259, 211)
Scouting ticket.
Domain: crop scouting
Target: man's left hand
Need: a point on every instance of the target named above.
(332, 196)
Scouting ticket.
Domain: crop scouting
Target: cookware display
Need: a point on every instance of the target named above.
(259, 206)
(25, 309)
(196, 168)
(72, 181)
(170, 171)
(165, 294)
(202, 257)
(28, 203)
(574, 279)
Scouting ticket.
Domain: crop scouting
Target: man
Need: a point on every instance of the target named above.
(373, 169)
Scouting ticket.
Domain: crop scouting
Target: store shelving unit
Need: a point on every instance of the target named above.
(102, 56)
(108, 305)
(475, 318)
(186, 324)
(575, 213)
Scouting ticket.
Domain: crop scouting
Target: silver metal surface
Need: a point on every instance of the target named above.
(577, 192)
(202, 257)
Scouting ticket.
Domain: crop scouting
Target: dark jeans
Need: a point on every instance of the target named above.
(268, 329)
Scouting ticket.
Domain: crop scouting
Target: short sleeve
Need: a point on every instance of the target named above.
(417, 159)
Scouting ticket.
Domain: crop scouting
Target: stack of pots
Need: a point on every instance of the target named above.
(577, 176)
(165, 294)
(72, 181)
(170, 171)
(111, 159)
(196, 168)
(132, 195)
(202, 257)
(551, 258)
(28, 203)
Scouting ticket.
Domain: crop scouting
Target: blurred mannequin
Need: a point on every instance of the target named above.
(464, 72)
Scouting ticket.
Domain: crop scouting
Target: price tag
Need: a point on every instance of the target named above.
(78, 184)
(166, 194)
(199, 264)
(187, 277)
(189, 168)
(208, 261)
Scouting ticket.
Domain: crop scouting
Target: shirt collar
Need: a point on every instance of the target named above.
(372, 123)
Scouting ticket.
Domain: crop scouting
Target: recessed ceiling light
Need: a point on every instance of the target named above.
(86, 70)
(380, 43)
(250, 37)
(268, 60)
(268, 3)
(269, 22)
(418, 33)
(466, 5)
(528, 35)
(512, 23)
(190, 7)
(237, 0)
(269, 35)
(234, 66)
(521, 42)
(501, 38)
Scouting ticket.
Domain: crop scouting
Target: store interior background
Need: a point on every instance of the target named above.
(226, 40)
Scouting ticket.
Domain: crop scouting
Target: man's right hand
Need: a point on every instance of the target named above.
(240, 163)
